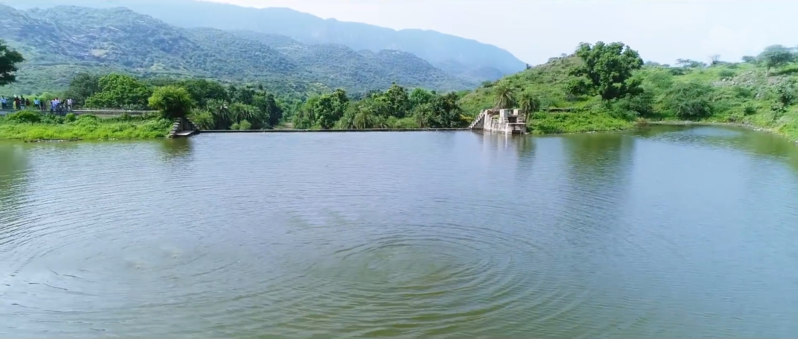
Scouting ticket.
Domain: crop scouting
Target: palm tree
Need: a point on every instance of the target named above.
(529, 103)
(505, 97)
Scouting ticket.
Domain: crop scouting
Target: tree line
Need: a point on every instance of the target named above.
(212, 105)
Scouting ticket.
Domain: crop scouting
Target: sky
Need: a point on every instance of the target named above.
(534, 30)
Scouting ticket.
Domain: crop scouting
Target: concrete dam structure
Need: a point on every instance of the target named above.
(508, 121)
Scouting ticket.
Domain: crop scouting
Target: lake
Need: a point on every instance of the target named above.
(666, 232)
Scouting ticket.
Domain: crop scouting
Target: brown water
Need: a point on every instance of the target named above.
(671, 232)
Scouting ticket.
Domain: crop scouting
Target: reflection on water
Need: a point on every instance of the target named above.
(175, 150)
(667, 232)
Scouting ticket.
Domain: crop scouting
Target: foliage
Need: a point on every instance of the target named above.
(120, 91)
(505, 96)
(688, 100)
(24, 117)
(82, 87)
(203, 119)
(529, 103)
(776, 56)
(785, 93)
(244, 125)
(726, 92)
(606, 70)
(70, 117)
(86, 128)
(322, 111)
(171, 101)
(117, 40)
(8, 64)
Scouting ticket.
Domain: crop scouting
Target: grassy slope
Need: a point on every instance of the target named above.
(85, 128)
(735, 87)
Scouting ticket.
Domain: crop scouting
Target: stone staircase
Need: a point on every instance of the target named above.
(478, 121)
(183, 128)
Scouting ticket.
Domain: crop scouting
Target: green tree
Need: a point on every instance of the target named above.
(398, 101)
(749, 59)
(82, 86)
(329, 108)
(606, 70)
(785, 93)
(529, 103)
(688, 100)
(267, 104)
(120, 91)
(202, 90)
(420, 96)
(443, 112)
(8, 64)
(505, 96)
(776, 56)
(171, 101)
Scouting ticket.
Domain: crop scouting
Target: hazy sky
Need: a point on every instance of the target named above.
(535, 30)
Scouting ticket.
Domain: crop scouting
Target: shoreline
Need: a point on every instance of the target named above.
(373, 130)
(725, 124)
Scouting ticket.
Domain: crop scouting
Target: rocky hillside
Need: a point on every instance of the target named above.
(118, 39)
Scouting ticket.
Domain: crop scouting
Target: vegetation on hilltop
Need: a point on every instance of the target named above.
(607, 87)
(118, 40)
(460, 57)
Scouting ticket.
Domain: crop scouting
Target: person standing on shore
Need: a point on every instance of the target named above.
(3, 103)
(37, 103)
(16, 102)
(69, 105)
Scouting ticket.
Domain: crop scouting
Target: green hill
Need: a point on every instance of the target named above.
(738, 93)
(473, 60)
(104, 40)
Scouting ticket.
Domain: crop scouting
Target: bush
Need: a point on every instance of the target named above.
(70, 117)
(641, 105)
(234, 126)
(749, 109)
(24, 117)
(726, 73)
(87, 117)
(688, 100)
(171, 101)
(244, 125)
(203, 119)
(52, 119)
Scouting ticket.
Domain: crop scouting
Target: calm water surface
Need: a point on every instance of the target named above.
(670, 232)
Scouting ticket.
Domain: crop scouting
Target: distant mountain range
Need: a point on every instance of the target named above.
(465, 58)
(59, 42)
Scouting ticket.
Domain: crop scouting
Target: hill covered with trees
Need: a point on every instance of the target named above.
(63, 41)
(464, 58)
(609, 87)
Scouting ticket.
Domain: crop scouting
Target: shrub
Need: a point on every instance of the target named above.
(171, 101)
(642, 105)
(726, 73)
(234, 126)
(244, 125)
(24, 117)
(749, 109)
(203, 119)
(52, 119)
(70, 117)
(87, 117)
(688, 100)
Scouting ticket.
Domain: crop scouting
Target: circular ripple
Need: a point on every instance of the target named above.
(425, 277)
